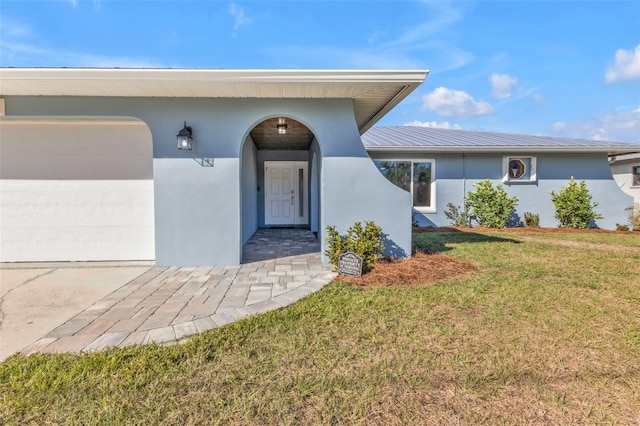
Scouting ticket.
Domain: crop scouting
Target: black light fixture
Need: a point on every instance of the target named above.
(282, 126)
(185, 138)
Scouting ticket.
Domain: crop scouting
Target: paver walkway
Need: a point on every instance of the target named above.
(164, 305)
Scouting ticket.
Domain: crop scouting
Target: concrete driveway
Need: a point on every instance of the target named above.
(36, 298)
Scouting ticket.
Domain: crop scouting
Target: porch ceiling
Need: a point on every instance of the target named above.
(298, 137)
(374, 93)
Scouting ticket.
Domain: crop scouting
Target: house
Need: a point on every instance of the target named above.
(182, 166)
(440, 166)
(626, 172)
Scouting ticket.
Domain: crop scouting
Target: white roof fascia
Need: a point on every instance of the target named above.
(153, 75)
(625, 156)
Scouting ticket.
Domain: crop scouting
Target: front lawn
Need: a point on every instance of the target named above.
(537, 333)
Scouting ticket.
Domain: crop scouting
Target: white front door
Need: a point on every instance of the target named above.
(286, 195)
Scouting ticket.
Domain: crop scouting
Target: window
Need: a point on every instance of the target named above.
(415, 177)
(635, 173)
(518, 169)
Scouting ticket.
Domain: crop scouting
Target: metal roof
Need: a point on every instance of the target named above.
(430, 139)
(374, 92)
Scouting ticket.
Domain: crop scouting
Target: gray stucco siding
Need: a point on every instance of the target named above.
(348, 188)
(249, 182)
(457, 173)
(197, 212)
(204, 214)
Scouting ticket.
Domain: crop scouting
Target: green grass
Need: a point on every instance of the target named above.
(624, 240)
(542, 334)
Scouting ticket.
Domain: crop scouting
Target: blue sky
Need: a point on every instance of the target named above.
(557, 68)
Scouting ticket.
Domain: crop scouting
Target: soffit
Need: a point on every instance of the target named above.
(374, 93)
(265, 135)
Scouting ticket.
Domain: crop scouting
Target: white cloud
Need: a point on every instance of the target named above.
(503, 85)
(434, 124)
(541, 100)
(616, 126)
(26, 54)
(12, 28)
(441, 16)
(455, 103)
(626, 66)
(240, 18)
(418, 46)
(96, 4)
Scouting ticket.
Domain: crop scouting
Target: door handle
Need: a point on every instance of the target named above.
(292, 200)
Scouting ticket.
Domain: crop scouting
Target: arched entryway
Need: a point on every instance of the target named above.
(279, 180)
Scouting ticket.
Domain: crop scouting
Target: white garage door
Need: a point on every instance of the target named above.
(76, 189)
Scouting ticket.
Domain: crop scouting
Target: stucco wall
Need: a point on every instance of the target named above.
(249, 176)
(622, 173)
(457, 173)
(315, 171)
(199, 210)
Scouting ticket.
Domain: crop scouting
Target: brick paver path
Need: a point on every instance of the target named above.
(165, 305)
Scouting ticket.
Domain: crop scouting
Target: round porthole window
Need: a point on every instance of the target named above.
(516, 169)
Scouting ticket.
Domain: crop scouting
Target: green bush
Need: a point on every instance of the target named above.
(573, 206)
(456, 215)
(622, 227)
(489, 206)
(365, 241)
(532, 220)
(634, 217)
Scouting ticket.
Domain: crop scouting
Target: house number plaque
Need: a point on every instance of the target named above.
(350, 264)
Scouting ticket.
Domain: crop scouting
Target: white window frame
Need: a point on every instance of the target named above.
(432, 201)
(633, 176)
(507, 179)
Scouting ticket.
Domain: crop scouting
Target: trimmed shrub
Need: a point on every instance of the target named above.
(532, 220)
(365, 241)
(457, 215)
(636, 221)
(490, 206)
(573, 206)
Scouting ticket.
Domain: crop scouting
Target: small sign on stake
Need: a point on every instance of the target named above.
(350, 264)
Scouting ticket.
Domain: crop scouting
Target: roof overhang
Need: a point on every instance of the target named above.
(373, 92)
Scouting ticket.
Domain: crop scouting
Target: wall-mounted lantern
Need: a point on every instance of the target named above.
(185, 138)
(282, 126)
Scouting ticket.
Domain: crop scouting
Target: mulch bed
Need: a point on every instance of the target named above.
(420, 269)
(518, 229)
